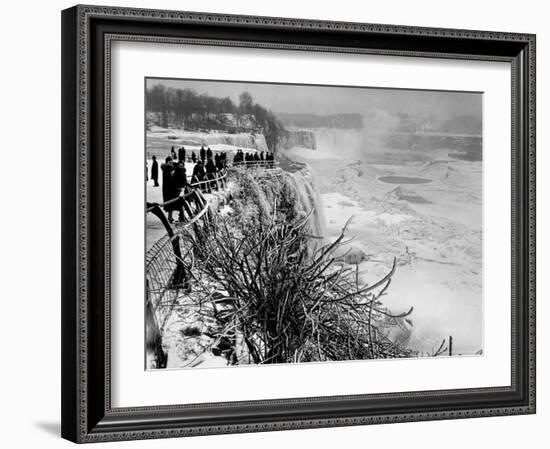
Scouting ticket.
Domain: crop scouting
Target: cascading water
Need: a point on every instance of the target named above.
(341, 142)
(309, 200)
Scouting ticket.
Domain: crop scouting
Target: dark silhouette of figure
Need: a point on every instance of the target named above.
(256, 157)
(173, 153)
(202, 154)
(237, 157)
(209, 153)
(210, 172)
(219, 163)
(193, 157)
(262, 156)
(155, 171)
(210, 166)
(181, 175)
(170, 189)
(181, 154)
(198, 172)
(180, 179)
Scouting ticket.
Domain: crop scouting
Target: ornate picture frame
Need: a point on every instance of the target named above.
(88, 33)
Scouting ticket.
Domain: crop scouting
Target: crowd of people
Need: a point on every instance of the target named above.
(207, 167)
(175, 180)
(242, 158)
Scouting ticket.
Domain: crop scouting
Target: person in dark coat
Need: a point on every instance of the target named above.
(210, 166)
(219, 163)
(155, 172)
(262, 156)
(210, 172)
(209, 153)
(256, 157)
(198, 172)
(170, 189)
(202, 154)
(173, 153)
(180, 175)
(181, 154)
(193, 157)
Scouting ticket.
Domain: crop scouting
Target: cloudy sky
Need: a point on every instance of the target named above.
(332, 100)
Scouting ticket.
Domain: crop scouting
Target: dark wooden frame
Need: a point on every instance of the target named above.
(87, 32)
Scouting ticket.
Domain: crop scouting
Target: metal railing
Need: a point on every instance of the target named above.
(217, 180)
(167, 276)
(256, 164)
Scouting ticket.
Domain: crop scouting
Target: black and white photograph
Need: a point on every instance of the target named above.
(282, 220)
(292, 223)
(279, 224)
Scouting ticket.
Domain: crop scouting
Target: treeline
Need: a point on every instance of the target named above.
(189, 110)
(305, 120)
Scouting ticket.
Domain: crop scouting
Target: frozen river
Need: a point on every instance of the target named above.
(428, 216)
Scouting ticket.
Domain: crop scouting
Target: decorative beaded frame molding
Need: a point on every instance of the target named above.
(85, 418)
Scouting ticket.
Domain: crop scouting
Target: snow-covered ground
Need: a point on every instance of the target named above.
(433, 228)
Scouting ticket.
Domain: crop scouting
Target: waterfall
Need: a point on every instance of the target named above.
(361, 144)
(340, 142)
(309, 199)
